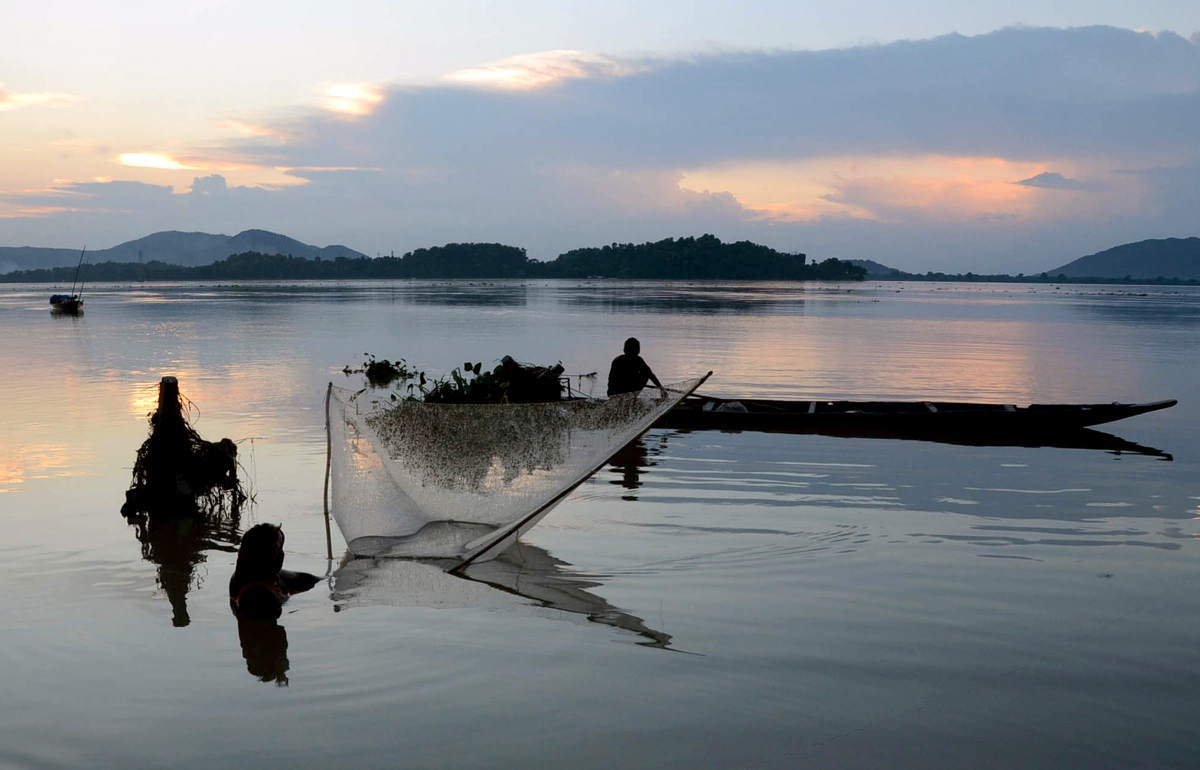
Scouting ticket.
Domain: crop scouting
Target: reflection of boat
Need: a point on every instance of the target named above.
(522, 576)
(1077, 438)
(894, 417)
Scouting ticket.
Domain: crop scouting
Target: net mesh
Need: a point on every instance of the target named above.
(435, 480)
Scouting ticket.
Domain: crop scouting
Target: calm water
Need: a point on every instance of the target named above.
(714, 600)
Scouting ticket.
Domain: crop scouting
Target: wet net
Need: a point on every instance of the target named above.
(415, 479)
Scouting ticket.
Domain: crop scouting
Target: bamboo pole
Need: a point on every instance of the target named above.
(328, 464)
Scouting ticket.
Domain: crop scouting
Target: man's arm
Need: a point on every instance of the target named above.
(650, 372)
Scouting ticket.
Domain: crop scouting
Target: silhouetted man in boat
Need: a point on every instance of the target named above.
(629, 373)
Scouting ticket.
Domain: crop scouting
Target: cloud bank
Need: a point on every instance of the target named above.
(1007, 151)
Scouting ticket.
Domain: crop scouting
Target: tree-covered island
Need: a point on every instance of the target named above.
(703, 258)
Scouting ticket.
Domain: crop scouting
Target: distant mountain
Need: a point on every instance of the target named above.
(876, 270)
(172, 247)
(1165, 258)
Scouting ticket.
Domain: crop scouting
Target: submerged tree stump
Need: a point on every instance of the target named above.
(177, 472)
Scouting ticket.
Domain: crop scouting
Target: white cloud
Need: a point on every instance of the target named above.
(151, 160)
(351, 99)
(546, 68)
(10, 100)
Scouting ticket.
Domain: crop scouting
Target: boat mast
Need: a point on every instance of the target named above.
(77, 267)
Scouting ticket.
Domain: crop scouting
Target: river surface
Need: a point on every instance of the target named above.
(711, 600)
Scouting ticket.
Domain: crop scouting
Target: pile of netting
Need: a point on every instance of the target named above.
(412, 478)
(178, 473)
(510, 382)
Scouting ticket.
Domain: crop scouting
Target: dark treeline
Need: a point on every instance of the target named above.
(700, 258)
(703, 258)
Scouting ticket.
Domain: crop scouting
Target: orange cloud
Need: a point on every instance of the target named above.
(250, 129)
(31, 212)
(880, 188)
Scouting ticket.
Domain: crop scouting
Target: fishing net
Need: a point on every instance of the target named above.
(416, 479)
(523, 576)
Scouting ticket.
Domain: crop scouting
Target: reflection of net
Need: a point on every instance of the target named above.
(400, 468)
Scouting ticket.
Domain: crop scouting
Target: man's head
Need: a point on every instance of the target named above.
(261, 550)
(632, 346)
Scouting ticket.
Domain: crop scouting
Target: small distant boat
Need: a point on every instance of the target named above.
(66, 304)
(896, 417)
(70, 304)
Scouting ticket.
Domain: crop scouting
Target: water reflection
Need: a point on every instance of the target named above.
(691, 298)
(177, 545)
(636, 458)
(524, 575)
(264, 646)
(1079, 438)
(466, 293)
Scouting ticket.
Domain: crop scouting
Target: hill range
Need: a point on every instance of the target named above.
(1168, 258)
(1145, 260)
(174, 248)
(1163, 259)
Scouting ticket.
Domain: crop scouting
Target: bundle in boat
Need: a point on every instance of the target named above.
(178, 473)
(464, 481)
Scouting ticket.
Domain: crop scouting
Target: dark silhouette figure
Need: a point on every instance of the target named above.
(629, 373)
(257, 591)
(260, 585)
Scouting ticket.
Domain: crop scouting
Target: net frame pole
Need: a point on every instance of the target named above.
(504, 533)
(328, 468)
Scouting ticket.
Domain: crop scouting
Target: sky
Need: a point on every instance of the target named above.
(985, 137)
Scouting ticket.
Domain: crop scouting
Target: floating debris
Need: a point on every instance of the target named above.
(177, 472)
(381, 372)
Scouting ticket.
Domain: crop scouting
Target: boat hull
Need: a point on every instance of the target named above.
(894, 417)
(67, 307)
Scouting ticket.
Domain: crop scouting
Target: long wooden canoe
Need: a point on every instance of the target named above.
(898, 417)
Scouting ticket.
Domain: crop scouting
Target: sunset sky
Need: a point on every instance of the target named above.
(935, 135)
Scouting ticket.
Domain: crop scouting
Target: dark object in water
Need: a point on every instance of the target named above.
(66, 304)
(380, 372)
(259, 585)
(895, 419)
(70, 304)
(177, 473)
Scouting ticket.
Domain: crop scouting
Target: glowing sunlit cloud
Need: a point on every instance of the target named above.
(249, 129)
(152, 160)
(879, 188)
(352, 99)
(11, 101)
(539, 70)
(296, 169)
(159, 160)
